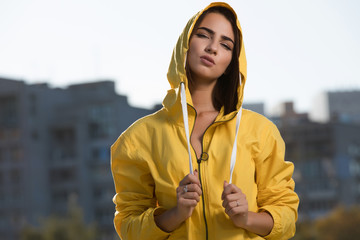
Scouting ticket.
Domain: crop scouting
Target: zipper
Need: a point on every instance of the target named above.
(203, 201)
(199, 162)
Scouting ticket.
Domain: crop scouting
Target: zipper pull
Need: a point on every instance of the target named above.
(204, 157)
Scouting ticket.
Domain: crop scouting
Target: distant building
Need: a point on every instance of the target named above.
(284, 114)
(55, 143)
(256, 107)
(337, 106)
(327, 162)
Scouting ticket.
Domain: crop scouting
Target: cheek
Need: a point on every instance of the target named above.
(190, 59)
(191, 54)
(226, 61)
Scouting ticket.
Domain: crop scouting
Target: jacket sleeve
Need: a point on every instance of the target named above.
(134, 199)
(275, 185)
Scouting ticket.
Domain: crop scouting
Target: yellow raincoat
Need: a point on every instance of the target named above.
(150, 158)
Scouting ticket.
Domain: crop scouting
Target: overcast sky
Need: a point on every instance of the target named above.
(295, 48)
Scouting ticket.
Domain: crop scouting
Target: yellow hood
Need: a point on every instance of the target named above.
(177, 73)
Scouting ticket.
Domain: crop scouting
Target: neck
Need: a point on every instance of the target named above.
(201, 94)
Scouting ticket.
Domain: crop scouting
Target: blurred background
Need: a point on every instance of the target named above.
(75, 74)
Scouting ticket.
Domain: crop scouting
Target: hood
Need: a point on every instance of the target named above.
(177, 73)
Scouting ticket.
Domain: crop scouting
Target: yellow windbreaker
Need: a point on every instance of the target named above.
(150, 158)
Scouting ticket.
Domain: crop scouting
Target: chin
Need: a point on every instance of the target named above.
(206, 76)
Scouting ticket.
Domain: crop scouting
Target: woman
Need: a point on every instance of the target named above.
(241, 187)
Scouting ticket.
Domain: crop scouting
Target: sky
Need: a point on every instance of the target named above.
(295, 49)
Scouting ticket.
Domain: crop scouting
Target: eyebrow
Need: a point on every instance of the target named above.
(212, 32)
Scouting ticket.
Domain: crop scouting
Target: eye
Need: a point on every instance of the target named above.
(226, 46)
(201, 35)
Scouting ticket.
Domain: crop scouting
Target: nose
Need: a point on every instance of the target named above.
(211, 48)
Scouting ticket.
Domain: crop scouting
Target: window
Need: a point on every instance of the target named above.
(99, 125)
(104, 215)
(63, 144)
(16, 153)
(33, 103)
(8, 112)
(1, 155)
(62, 175)
(3, 219)
(17, 194)
(98, 130)
(2, 196)
(101, 193)
(101, 154)
(15, 176)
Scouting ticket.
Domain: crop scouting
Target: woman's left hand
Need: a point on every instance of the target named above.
(235, 204)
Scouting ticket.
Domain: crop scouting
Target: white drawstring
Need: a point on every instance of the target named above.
(186, 121)
(186, 125)
(234, 150)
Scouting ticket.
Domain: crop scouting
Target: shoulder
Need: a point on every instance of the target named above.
(263, 135)
(260, 130)
(143, 128)
(254, 120)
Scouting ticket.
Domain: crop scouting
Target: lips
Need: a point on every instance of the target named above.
(207, 60)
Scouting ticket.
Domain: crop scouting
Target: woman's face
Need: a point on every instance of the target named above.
(210, 48)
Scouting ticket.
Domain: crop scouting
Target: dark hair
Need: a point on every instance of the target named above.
(225, 91)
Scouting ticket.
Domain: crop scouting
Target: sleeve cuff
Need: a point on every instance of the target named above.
(158, 231)
(277, 228)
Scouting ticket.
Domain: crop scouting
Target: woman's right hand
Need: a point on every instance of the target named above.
(186, 202)
(188, 195)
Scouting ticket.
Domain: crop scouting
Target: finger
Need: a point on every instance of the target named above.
(229, 198)
(191, 178)
(235, 204)
(181, 189)
(228, 206)
(190, 188)
(231, 188)
(191, 195)
(234, 197)
(187, 202)
(240, 210)
(237, 207)
(238, 198)
(194, 188)
(231, 206)
(224, 186)
(195, 178)
(186, 180)
(196, 173)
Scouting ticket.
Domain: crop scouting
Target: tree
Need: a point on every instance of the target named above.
(341, 224)
(68, 227)
(305, 230)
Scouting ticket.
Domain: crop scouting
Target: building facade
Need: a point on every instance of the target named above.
(339, 106)
(327, 162)
(54, 144)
